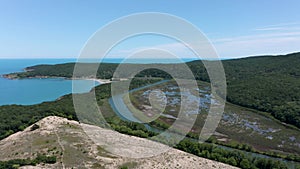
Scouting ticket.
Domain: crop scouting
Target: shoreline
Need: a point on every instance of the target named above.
(12, 77)
(101, 81)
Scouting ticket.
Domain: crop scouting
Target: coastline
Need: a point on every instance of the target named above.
(101, 81)
(14, 76)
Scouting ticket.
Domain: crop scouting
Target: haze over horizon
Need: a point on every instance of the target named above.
(59, 29)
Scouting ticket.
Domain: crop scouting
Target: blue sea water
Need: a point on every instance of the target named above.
(33, 91)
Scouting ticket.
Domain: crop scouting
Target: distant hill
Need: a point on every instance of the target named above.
(266, 83)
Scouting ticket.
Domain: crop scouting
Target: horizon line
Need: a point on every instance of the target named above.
(221, 58)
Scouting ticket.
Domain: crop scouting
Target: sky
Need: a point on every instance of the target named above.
(60, 28)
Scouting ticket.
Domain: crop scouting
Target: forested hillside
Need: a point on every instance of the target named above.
(267, 83)
(270, 84)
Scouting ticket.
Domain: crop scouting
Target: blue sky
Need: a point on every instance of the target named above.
(60, 28)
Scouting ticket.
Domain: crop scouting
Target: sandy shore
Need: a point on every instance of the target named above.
(101, 81)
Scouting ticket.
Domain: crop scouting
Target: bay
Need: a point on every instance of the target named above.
(34, 91)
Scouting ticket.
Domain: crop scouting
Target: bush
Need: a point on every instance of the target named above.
(34, 127)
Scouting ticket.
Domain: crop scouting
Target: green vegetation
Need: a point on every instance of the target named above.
(25, 115)
(105, 71)
(16, 118)
(16, 163)
(129, 128)
(235, 158)
(266, 83)
(269, 83)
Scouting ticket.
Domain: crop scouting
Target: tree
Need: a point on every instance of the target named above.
(231, 161)
(245, 164)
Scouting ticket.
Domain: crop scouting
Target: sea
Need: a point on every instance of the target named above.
(36, 90)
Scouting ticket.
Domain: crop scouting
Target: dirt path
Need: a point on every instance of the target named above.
(62, 148)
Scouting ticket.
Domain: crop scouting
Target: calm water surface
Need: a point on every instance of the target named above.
(33, 91)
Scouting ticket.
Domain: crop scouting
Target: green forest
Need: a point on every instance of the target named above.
(266, 83)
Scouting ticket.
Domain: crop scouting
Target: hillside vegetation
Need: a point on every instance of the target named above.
(266, 83)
